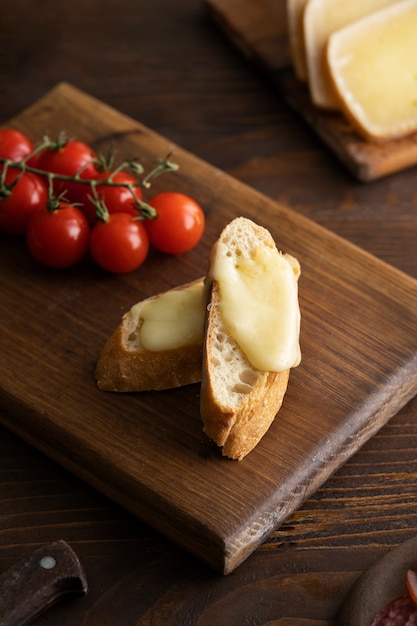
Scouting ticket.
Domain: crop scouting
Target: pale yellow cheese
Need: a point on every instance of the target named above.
(373, 64)
(259, 304)
(295, 14)
(321, 19)
(174, 319)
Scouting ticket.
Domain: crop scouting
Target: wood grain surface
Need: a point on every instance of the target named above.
(168, 65)
(259, 31)
(146, 451)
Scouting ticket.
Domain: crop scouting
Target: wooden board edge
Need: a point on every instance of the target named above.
(364, 160)
(398, 398)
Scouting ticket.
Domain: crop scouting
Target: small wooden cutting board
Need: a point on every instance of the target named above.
(259, 29)
(147, 451)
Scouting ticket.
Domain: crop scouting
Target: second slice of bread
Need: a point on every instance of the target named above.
(125, 365)
(238, 401)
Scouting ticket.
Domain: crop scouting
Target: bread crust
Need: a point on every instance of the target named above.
(123, 369)
(236, 424)
(237, 431)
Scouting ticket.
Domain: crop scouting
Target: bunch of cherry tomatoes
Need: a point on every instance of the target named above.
(68, 202)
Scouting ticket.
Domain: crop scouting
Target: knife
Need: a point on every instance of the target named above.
(34, 584)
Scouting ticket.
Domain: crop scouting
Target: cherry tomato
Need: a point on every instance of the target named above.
(27, 193)
(119, 244)
(58, 238)
(14, 145)
(179, 225)
(68, 159)
(117, 199)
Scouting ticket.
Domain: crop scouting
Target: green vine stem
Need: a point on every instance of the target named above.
(145, 211)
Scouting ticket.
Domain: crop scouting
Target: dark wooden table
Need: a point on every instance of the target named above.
(167, 65)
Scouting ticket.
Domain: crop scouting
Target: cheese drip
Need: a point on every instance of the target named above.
(259, 305)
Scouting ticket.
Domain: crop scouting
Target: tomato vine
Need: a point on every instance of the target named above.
(54, 176)
(102, 164)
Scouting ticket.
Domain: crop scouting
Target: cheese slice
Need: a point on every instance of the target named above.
(321, 19)
(295, 15)
(373, 65)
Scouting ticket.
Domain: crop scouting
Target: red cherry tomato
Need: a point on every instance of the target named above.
(68, 159)
(117, 199)
(14, 145)
(27, 195)
(58, 238)
(179, 225)
(119, 244)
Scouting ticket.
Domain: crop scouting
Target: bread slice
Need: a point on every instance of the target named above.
(238, 401)
(372, 64)
(295, 23)
(321, 19)
(125, 365)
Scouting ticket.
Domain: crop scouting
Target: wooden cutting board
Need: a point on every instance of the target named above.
(147, 451)
(259, 29)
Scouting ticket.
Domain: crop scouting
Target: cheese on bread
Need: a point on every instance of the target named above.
(158, 343)
(321, 19)
(253, 320)
(373, 67)
(237, 331)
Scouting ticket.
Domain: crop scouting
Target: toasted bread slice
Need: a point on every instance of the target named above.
(372, 64)
(321, 19)
(295, 15)
(125, 364)
(238, 401)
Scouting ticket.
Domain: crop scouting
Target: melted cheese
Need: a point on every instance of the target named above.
(259, 304)
(373, 63)
(321, 19)
(174, 319)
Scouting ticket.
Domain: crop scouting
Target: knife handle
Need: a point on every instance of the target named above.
(34, 584)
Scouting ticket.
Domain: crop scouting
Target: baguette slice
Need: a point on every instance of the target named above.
(238, 401)
(125, 365)
(295, 15)
(373, 66)
(321, 19)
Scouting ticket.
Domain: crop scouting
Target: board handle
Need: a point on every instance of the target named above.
(35, 583)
